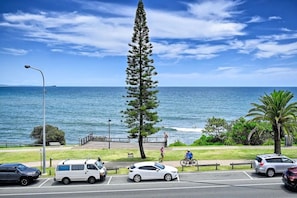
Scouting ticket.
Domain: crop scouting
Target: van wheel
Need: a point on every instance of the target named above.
(91, 180)
(270, 172)
(24, 181)
(66, 181)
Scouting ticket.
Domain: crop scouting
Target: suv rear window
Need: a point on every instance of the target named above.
(259, 159)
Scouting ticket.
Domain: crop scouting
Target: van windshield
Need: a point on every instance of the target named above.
(99, 164)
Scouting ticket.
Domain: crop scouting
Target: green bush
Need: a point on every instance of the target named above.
(268, 142)
(207, 140)
(229, 141)
(53, 134)
(178, 143)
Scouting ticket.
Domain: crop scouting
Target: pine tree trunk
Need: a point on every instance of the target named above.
(140, 143)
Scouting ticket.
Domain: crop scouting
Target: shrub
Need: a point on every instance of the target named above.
(268, 142)
(53, 134)
(178, 143)
(207, 140)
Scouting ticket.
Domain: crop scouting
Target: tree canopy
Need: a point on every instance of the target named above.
(279, 112)
(53, 134)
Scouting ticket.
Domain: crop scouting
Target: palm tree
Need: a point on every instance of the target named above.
(276, 110)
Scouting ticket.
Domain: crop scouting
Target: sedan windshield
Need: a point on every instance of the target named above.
(160, 166)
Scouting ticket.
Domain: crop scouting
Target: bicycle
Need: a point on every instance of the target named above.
(188, 162)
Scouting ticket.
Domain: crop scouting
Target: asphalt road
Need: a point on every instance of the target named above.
(218, 184)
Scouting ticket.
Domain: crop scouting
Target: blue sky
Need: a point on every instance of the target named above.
(196, 42)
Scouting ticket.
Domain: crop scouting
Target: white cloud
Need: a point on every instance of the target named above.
(234, 76)
(207, 20)
(274, 18)
(286, 30)
(245, 46)
(186, 50)
(256, 19)
(275, 70)
(270, 49)
(214, 10)
(98, 35)
(174, 34)
(276, 45)
(13, 51)
(279, 37)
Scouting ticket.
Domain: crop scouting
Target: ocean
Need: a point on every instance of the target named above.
(79, 111)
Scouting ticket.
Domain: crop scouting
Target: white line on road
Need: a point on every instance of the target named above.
(109, 180)
(248, 175)
(43, 182)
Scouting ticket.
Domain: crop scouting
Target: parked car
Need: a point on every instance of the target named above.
(89, 170)
(18, 173)
(290, 177)
(151, 171)
(270, 164)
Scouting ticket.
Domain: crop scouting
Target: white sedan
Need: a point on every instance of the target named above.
(151, 170)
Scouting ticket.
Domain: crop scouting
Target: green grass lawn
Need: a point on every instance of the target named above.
(33, 154)
(26, 154)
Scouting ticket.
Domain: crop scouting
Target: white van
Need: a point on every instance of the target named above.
(80, 170)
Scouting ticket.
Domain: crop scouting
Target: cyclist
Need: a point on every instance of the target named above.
(189, 155)
(188, 160)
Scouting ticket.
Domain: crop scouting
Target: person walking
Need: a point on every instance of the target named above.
(162, 154)
(165, 139)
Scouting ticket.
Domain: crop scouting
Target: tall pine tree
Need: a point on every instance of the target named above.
(140, 115)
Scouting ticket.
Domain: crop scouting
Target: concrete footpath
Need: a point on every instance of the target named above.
(110, 164)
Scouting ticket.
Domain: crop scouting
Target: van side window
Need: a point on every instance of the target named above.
(91, 167)
(63, 168)
(77, 167)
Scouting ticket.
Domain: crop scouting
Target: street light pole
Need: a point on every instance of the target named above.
(43, 129)
(109, 133)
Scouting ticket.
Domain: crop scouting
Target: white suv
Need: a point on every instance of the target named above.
(270, 164)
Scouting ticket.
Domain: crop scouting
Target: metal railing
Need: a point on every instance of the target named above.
(92, 137)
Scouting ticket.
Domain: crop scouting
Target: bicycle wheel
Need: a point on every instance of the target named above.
(194, 162)
(183, 162)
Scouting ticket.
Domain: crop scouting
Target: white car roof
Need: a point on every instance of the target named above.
(145, 164)
(77, 161)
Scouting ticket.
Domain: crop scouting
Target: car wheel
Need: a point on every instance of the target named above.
(137, 178)
(24, 181)
(168, 177)
(91, 180)
(270, 172)
(66, 181)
